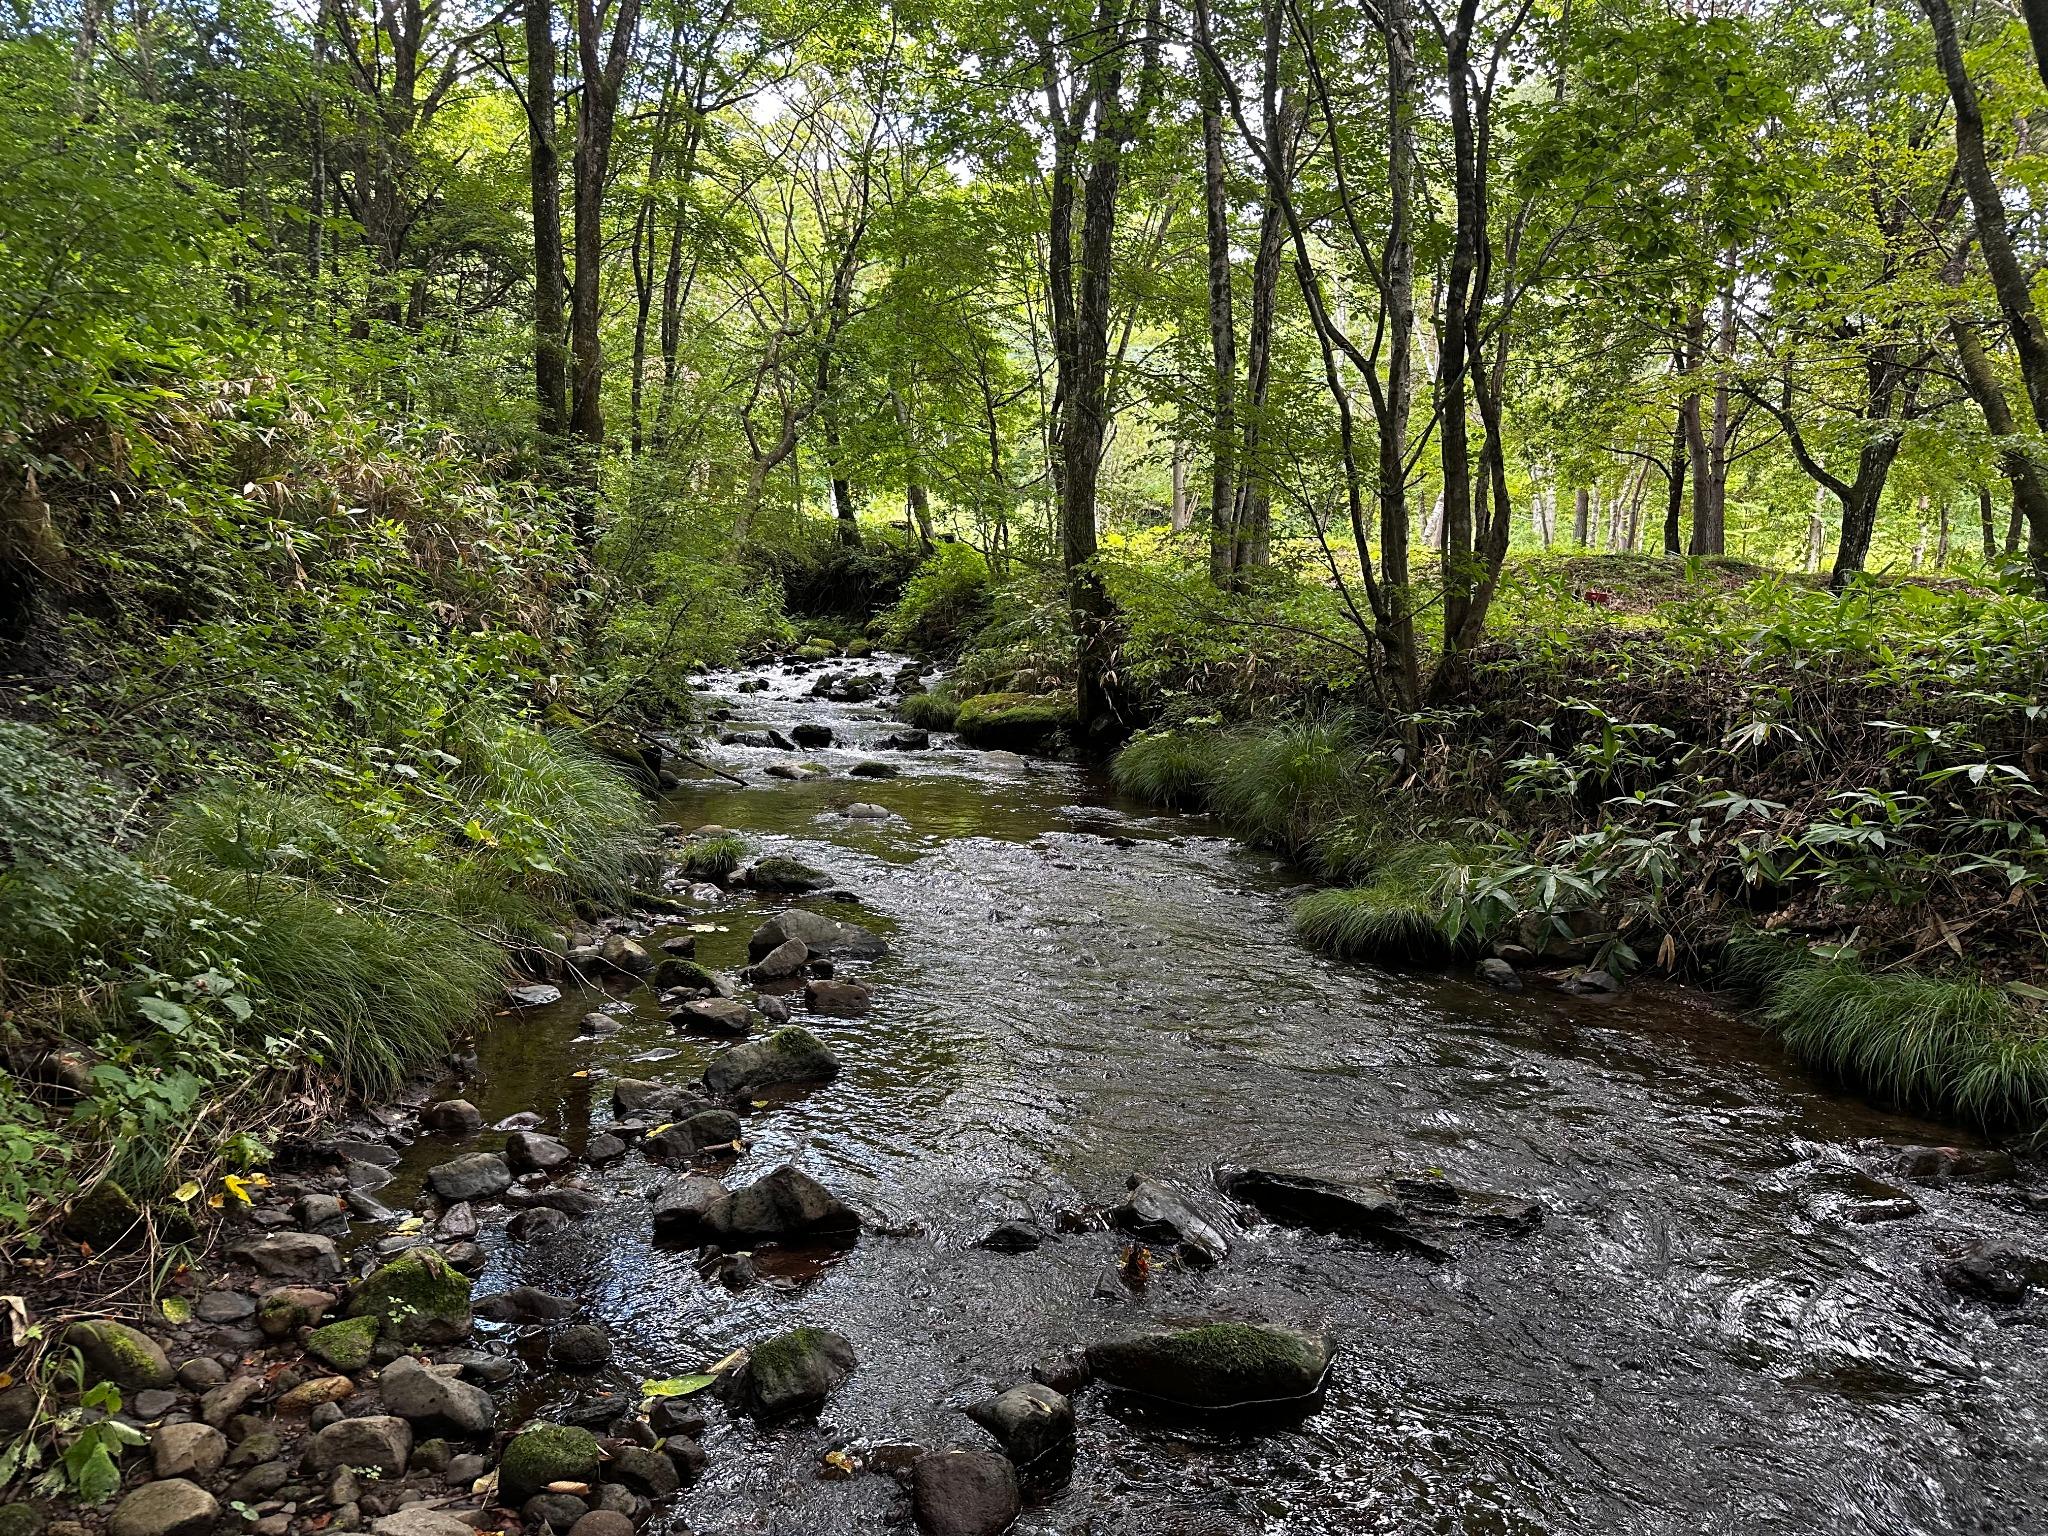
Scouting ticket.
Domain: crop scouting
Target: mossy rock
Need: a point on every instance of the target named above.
(679, 972)
(130, 1359)
(777, 873)
(418, 1298)
(20, 1520)
(860, 648)
(544, 1453)
(814, 653)
(795, 1372)
(1014, 722)
(104, 1217)
(1217, 1367)
(346, 1345)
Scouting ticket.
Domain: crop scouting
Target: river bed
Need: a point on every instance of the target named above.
(1701, 1337)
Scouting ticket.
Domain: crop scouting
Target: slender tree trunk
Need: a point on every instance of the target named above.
(1223, 533)
(544, 168)
(1582, 514)
(603, 60)
(2029, 489)
(1674, 490)
(1987, 516)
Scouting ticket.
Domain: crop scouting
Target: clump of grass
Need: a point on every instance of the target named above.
(1952, 1045)
(1172, 768)
(933, 711)
(1277, 784)
(1395, 916)
(368, 991)
(563, 824)
(714, 858)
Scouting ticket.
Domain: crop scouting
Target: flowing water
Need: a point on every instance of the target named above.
(1700, 1338)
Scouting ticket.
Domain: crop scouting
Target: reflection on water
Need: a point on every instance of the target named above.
(1702, 1337)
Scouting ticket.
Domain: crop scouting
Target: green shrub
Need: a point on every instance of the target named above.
(933, 711)
(1174, 768)
(561, 823)
(1017, 722)
(943, 604)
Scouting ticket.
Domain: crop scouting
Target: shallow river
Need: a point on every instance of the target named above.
(1698, 1339)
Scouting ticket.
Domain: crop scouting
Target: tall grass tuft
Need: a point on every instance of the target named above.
(562, 823)
(1950, 1045)
(1277, 785)
(1173, 768)
(1395, 916)
(933, 711)
(370, 992)
(714, 858)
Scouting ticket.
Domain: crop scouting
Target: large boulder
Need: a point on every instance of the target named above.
(477, 1176)
(291, 1256)
(795, 1372)
(784, 1206)
(688, 1138)
(1161, 1213)
(436, 1399)
(127, 1357)
(1014, 722)
(792, 1057)
(418, 1298)
(679, 1208)
(724, 1016)
(964, 1493)
(825, 937)
(544, 1453)
(171, 1506)
(1216, 1366)
(777, 873)
(382, 1441)
(1029, 1422)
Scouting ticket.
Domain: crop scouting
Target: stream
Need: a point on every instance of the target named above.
(1706, 1334)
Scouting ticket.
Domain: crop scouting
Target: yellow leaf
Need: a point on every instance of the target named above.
(185, 1191)
(215, 1201)
(237, 1186)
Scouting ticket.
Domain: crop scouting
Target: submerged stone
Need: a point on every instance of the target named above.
(1217, 1367)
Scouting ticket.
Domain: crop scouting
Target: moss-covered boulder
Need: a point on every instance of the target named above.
(792, 1057)
(1014, 722)
(417, 1298)
(346, 1345)
(20, 1520)
(104, 1217)
(795, 1372)
(1217, 1366)
(112, 1351)
(544, 1453)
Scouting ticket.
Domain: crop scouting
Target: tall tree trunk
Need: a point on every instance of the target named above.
(603, 61)
(544, 167)
(914, 494)
(1223, 535)
(1582, 516)
(2029, 488)
(1987, 516)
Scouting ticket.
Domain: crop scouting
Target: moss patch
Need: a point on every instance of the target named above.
(345, 1345)
(544, 1453)
(418, 1298)
(115, 1352)
(934, 711)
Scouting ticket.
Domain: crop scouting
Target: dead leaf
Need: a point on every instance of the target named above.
(14, 1311)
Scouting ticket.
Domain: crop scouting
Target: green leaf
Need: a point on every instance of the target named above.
(678, 1386)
